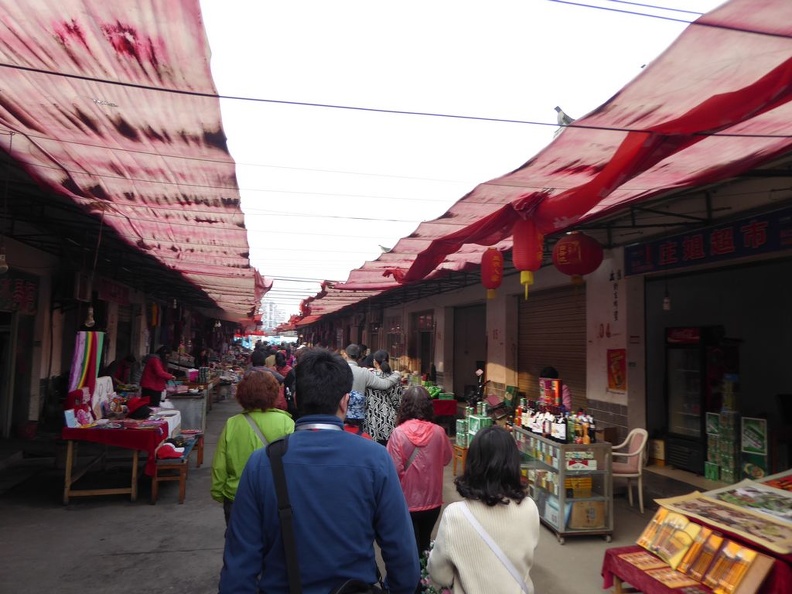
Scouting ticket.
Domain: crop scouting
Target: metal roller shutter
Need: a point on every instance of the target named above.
(552, 332)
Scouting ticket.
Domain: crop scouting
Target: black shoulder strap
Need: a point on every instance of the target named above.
(275, 451)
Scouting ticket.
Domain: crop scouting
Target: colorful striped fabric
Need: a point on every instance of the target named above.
(86, 360)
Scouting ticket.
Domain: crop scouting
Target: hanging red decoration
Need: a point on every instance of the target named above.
(491, 271)
(527, 251)
(577, 254)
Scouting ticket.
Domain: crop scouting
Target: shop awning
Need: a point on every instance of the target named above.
(714, 105)
(307, 321)
(113, 107)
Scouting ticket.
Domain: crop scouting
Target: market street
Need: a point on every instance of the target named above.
(109, 544)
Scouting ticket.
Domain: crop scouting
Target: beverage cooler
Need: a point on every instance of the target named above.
(696, 360)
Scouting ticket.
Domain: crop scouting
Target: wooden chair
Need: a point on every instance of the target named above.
(176, 469)
(629, 463)
(460, 455)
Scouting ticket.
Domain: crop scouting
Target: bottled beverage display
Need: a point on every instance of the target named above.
(554, 423)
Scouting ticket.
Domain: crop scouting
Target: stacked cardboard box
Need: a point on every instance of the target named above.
(729, 445)
(478, 422)
(462, 432)
(712, 465)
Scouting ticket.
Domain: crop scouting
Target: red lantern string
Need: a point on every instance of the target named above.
(527, 251)
(491, 271)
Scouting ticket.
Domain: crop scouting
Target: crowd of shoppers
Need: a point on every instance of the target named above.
(347, 492)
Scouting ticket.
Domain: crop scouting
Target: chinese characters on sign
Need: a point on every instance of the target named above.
(769, 232)
(615, 277)
(19, 292)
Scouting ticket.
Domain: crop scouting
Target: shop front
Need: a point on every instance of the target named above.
(717, 315)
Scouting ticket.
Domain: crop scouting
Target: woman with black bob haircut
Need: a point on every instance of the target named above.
(494, 498)
(492, 469)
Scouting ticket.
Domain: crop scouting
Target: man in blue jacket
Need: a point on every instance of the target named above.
(344, 492)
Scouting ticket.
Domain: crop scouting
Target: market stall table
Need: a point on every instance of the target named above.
(445, 412)
(137, 436)
(617, 571)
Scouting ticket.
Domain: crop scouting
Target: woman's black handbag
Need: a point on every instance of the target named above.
(275, 452)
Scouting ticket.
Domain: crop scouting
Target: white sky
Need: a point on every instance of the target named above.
(323, 188)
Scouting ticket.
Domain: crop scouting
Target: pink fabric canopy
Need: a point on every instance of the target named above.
(113, 106)
(714, 105)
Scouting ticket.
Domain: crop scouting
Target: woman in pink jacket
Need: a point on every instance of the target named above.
(420, 449)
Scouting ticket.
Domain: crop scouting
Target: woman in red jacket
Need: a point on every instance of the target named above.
(155, 376)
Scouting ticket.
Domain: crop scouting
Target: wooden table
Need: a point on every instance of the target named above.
(145, 436)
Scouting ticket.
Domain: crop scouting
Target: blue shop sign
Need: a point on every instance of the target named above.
(761, 234)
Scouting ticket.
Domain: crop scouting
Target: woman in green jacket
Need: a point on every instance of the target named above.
(257, 394)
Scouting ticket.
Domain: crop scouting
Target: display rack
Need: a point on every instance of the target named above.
(570, 483)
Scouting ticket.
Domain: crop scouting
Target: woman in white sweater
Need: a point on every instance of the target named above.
(491, 488)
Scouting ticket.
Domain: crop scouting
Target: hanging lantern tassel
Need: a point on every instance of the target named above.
(527, 251)
(491, 271)
(577, 254)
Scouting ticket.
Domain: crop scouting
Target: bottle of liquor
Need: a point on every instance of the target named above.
(528, 417)
(562, 428)
(518, 411)
(558, 423)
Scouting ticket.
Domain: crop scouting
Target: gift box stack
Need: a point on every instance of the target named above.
(729, 431)
(462, 429)
(712, 464)
(729, 445)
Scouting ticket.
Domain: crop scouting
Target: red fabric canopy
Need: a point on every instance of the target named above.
(714, 105)
(130, 125)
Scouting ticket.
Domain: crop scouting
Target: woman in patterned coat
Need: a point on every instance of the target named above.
(382, 405)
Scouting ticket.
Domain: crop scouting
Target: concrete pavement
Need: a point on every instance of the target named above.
(110, 544)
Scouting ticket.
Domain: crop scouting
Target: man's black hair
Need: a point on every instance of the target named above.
(323, 378)
(353, 351)
(258, 358)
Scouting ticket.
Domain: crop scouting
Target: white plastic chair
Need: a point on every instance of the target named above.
(629, 463)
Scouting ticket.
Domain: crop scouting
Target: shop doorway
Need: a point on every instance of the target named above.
(6, 374)
(470, 347)
(423, 324)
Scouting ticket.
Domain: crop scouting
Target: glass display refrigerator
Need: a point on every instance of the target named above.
(697, 358)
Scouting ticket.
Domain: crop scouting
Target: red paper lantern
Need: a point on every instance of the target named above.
(491, 271)
(527, 251)
(577, 254)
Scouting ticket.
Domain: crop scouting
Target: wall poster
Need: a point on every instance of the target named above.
(617, 369)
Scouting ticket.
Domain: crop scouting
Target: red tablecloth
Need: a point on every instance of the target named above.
(146, 439)
(779, 581)
(444, 408)
(613, 565)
